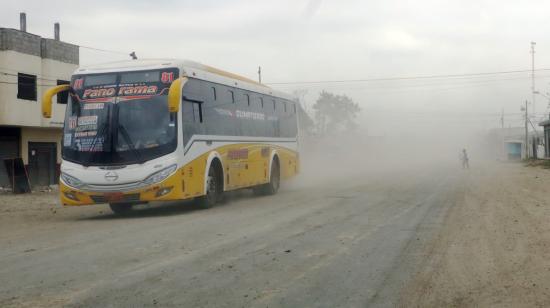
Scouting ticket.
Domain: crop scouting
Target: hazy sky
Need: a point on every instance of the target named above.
(315, 40)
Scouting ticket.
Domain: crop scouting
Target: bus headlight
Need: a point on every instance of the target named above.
(160, 175)
(71, 180)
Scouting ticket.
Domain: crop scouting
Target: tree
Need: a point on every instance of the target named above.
(335, 113)
(307, 125)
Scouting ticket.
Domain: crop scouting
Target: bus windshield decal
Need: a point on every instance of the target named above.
(93, 106)
(128, 85)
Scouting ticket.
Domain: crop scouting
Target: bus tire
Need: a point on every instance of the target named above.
(121, 208)
(272, 187)
(214, 186)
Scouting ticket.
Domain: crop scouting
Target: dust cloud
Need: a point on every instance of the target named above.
(336, 158)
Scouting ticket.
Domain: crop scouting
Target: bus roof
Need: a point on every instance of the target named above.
(188, 68)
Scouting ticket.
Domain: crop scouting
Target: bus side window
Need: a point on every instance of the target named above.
(191, 119)
(247, 99)
(198, 112)
(214, 93)
(192, 112)
(284, 106)
(274, 105)
(261, 102)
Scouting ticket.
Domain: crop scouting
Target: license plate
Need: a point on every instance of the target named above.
(114, 197)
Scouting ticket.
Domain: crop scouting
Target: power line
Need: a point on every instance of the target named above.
(433, 87)
(16, 75)
(437, 113)
(27, 84)
(429, 77)
(415, 85)
(407, 77)
(105, 50)
(438, 83)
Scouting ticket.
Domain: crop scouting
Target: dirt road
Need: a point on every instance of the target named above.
(494, 247)
(412, 236)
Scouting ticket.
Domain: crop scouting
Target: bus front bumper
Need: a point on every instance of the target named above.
(169, 189)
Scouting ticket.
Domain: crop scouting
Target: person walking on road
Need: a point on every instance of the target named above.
(465, 160)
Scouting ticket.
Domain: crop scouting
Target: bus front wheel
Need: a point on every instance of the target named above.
(214, 187)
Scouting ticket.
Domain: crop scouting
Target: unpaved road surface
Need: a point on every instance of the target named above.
(494, 250)
(425, 237)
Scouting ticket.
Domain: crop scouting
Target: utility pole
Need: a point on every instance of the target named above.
(526, 132)
(533, 91)
(259, 74)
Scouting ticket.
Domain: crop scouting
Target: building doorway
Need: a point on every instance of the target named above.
(513, 150)
(42, 163)
(9, 148)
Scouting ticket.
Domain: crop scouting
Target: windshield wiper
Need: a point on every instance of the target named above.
(129, 142)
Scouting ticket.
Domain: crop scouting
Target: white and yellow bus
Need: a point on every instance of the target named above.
(156, 130)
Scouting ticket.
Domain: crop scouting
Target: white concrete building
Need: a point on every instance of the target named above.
(30, 64)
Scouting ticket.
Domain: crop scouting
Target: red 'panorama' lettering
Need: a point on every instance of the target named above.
(93, 93)
(137, 90)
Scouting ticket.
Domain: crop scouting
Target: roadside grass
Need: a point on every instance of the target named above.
(543, 163)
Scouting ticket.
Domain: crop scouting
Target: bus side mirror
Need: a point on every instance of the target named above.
(174, 94)
(47, 99)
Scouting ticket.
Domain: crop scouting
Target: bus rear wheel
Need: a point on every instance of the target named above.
(214, 187)
(121, 208)
(272, 187)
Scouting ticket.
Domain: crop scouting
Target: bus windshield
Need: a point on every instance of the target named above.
(119, 118)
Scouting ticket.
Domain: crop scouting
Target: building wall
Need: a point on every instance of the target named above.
(19, 41)
(32, 134)
(32, 44)
(20, 112)
(47, 59)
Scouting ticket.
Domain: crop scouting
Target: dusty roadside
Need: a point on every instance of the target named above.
(34, 206)
(23, 215)
(493, 249)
